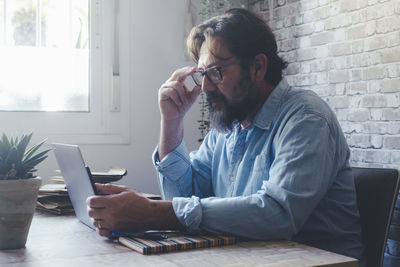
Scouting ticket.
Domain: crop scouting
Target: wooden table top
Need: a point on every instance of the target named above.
(64, 241)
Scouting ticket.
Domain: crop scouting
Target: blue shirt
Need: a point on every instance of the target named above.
(286, 176)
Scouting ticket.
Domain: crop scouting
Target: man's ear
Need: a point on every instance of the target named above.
(259, 67)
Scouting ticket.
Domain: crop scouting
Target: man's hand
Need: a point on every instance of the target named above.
(125, 210)
(175, 99)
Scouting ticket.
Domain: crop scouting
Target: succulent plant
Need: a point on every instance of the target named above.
(16, 162)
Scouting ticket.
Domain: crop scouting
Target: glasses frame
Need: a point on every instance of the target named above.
(217, 68)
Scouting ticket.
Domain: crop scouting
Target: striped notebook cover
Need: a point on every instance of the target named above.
(175, 242)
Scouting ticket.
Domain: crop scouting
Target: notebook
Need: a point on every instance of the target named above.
(175, 242)
(77, 178)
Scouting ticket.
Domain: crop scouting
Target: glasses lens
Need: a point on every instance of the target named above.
(197, 78)
(214, 75)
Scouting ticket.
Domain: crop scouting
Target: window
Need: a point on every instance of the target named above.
(59, 69)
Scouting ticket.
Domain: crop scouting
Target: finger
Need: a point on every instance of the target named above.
(110, 188)
(181, 74)
(97, 202)
(96, 213)
(194, 94)
(171, 93)
(103, 232)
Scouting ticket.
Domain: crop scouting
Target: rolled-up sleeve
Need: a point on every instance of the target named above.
(174, 172)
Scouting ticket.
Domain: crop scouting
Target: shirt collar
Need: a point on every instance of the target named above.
(269, 109)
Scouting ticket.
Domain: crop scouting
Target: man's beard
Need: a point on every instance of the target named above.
(225, 114)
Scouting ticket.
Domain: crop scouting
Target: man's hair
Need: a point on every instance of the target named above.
(245, 35)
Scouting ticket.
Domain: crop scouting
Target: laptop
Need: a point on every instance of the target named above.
(77, 178)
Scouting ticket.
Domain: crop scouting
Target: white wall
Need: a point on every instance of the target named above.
(157, 37)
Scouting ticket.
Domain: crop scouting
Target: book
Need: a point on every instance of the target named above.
(175, 242)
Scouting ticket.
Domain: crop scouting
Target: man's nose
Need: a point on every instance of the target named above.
(207, 85)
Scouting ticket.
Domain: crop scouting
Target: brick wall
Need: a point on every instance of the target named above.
(347, 51)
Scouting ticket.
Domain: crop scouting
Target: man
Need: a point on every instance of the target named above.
(274, 166)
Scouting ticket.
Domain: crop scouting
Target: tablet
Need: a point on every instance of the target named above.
(77, 178)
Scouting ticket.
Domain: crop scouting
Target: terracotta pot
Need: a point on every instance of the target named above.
(17, 205)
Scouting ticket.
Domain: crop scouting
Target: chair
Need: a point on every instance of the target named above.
(377, 191)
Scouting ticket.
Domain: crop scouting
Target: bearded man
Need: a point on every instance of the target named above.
(275, 164)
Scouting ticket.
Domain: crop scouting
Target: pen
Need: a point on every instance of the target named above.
(150, 235)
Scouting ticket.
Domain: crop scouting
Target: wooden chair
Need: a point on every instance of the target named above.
(377, 190)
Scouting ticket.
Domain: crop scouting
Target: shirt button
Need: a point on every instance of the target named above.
(232, 179)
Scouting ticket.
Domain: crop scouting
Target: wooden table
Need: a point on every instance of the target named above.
(64, 241)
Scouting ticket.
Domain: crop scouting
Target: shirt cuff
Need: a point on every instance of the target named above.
(172, 162)
(188, 211)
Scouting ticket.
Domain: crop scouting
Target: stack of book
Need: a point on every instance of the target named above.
(175, 242)
(53, 197)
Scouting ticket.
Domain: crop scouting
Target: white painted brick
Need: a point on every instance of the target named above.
(322, 52)
(342, 62)
(377, 156)
(303, 80)
(304, 29)
(338, 76)
(388, 24)
(376, 141)
(393, 39)
(305, 68)
(366, 59)
(288, 45)
(357, 88)
(374, 43)
(359, 141)
(323, 65)
(337, 21)
(292, 68)
(357, 46)
(395, 159)
(307, 5)
(394, 127)
(322, 78)
(340, 49)
(392, 71)
(386, 9)
(391, 114)
(339, 102)
(304, 41)
(323, 90)
(370, 28)
(373, 101)
(390, 55)
(376, 114)
(349, 5)
(392, 100)
(391, 142)
(323, 2)
(289, 21)
(356, 32)
(374, 73)
(319, 26)
(351, 127)
(374, 86)
(392, 85)
(358, 115)
(397, 7)
(339, 88)
(355, 75)
(306, 54)
(341, 114)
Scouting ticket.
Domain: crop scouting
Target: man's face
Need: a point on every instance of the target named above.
(236, 96)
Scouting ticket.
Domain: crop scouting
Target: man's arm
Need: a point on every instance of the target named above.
(174, 99)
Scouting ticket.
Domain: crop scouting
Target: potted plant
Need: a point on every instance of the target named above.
(18, 188)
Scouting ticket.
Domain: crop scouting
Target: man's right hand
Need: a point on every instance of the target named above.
(174, 98)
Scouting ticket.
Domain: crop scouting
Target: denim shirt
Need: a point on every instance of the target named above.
(286, 176)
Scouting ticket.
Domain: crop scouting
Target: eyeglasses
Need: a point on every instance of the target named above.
(213, 74)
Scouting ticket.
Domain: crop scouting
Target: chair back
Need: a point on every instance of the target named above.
(377, 191)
